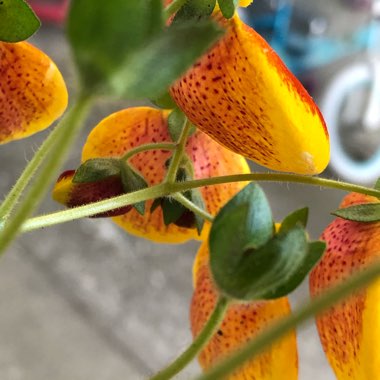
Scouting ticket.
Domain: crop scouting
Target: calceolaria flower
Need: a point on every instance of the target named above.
(243, 321)
(127, 129)
(350, 331)
(32, 91)
(242, 95)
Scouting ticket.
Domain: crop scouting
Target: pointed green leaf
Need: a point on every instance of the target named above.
(152, 69)
(133, 181)
(96, 169)
(369, 212)
(297, 217)
(156, 204)
(104, 35)
(227, 7)
(197, 199)
(17, 21)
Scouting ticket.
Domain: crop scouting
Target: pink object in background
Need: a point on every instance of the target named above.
(52, 11)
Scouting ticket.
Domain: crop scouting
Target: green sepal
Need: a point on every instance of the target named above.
(227, 7)
(296, 217)
(96, 169)
(171, 210)
(164, 101)
(368, 212)
(133, 181)
(17, 21)
(196, 197)
(176, 123)
(314, 253)
(248, 261)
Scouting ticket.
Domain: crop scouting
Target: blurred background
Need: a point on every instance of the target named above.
(85, 300)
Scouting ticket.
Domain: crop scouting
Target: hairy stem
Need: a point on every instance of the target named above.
(193, 207)
(14, 195)
(168, 189)
(145, 147)
(178, 153)
(198, 344)
(68, 129)
(281, 328)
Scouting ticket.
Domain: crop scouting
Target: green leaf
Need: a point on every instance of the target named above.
(246, 220)
(132, 181)
(104, 35)
(164, 101)
(17, 21)
(369, 212)
(96, 169)
(151, 70)
(297, 217)
(195, 10)
(227, 7)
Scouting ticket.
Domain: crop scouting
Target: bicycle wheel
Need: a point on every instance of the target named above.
(355, 153)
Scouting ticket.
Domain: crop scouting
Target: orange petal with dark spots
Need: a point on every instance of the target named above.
(127, 129)
(78, 194)
(350, 331)
(241, 324)
(242, 95)
(33, 93)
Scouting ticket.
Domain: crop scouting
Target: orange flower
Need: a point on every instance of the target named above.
(32, 91)
(350, 331)
(241, 323)
(127, 129)
(243, 96)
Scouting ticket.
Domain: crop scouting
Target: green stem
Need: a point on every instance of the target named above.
(198, 344)
(193, 207)
(173, 7)
(178, 153)
(145, 147)
(284, 326)
(167, 189)
(68, 128)
(14, 195)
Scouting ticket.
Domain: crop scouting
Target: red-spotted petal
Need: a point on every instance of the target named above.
(242, 95)
(78, 194)
(350, 331)
(241, 323)
(32, 91)
(127, 129)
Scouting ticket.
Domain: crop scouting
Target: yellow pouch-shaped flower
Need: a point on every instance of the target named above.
(32, 91)
(242, 322)
(242, 95)
(127, 129)
(350, 331)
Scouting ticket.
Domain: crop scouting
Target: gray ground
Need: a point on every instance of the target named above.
(86, 301)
